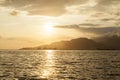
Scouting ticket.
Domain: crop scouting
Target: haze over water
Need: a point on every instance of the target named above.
(59, 65)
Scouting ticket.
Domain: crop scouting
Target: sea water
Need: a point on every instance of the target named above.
(59, 65)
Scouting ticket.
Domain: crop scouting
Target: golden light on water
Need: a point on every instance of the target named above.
(49, 63)
(49, 53)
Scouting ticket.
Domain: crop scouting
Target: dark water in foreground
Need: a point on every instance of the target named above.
(60, 65)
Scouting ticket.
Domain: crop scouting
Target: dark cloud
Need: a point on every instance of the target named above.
(74, 26)
(42, 7)
(108, 19)
(93, 30)
(67, 26)
(101, 31)
(99, 14)
(89, 24)
(14, 13)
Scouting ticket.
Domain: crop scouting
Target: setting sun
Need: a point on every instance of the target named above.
(48, 28)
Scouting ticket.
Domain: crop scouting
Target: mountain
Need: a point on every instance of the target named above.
(108, 43)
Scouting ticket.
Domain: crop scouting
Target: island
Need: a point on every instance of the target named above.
(109, 43)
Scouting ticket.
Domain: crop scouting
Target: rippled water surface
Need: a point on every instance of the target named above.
(59, 65)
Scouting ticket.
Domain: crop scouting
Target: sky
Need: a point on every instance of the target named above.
(26, 23)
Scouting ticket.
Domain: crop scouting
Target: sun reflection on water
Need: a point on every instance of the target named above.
(49, 63)
(49, 54)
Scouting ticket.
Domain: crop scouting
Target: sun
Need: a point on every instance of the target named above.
(48, 28)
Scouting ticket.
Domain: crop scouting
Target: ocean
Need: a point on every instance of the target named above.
(59, 65)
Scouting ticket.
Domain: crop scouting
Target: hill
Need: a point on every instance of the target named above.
(108, 43)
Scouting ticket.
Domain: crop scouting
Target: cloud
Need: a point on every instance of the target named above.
(77, 26)
(59, 7)
(100, 8)
(89, 24)
(2, 1)
(14, 13)
(111, 7)
(0, 37)
(108, 19)
(103, 6)
(42, 7)
(101, 31)
(107, 3)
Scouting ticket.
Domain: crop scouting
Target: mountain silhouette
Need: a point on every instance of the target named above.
(110, 42)
(107, 43)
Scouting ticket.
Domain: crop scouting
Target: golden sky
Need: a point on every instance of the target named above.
(25, 23)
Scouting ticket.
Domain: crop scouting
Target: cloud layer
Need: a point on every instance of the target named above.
(101, 31)
(42, 7)
(53, 7)
(99, 11)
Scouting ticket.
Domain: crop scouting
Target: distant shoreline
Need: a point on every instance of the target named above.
(111, 43)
